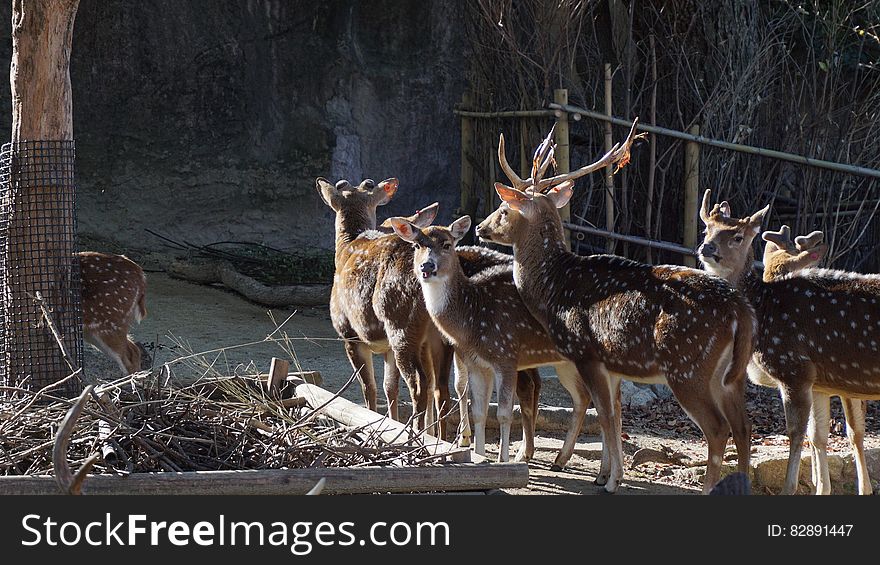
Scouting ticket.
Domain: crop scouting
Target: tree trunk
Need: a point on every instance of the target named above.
(40, 206)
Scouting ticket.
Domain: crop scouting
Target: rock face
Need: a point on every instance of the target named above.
(209, 121)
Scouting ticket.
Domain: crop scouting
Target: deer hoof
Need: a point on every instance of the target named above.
(465, 441)
(556, 468)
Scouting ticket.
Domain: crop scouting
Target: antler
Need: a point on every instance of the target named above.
(781, 238)
(544, 157)
(805, 242)
(68, 482)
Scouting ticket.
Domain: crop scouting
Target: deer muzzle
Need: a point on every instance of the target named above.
(428, 269)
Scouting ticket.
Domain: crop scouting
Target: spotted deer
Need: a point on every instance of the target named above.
(614, 318)
(817, 337)
(375, 303)
(113, 298)
(493, 334)
(784, 257)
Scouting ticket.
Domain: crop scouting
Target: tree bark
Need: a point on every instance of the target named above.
(40, 212)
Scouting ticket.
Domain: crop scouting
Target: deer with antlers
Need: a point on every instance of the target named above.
(784, 257)
(113, 298)
(818, 333)
(493, 334)
(614, 318)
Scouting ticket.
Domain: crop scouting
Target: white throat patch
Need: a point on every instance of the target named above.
(436, 291)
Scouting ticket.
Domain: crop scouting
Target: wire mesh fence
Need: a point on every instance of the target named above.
(40, 310)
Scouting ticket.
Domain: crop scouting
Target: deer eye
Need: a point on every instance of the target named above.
(416, 246)
(447, 246)
(738, 238)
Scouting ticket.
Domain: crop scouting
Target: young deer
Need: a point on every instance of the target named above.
(493, 335)
(614, 318)
(817, 334)
(784, 257)
(113, 297)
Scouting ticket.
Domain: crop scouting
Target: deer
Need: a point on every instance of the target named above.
(493, 334)
(113, 298)
(376, 304)
(784, 257)
(817, 337)
(614, 318)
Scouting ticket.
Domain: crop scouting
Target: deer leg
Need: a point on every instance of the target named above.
(410, 366)
(797, 403)
(854, 410)
(817, 430)
(461, 388)
(361, 359)
(733, 406)
(528, 389)
(505, 385)
(480, 382)
(442, 366)
(428, 384)
(571, 380)
(601, 388)
(391, 384)
(111, 346)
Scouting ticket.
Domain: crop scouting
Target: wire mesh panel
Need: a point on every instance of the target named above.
(40, 311)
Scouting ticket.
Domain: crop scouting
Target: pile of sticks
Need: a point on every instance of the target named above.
(143, 423)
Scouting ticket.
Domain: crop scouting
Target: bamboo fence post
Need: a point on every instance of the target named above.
(609, 171)
(691, 188)
(468, 200)
(562, 153)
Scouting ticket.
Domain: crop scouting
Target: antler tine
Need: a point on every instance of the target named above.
(544, 155)
(518, 183)
(781, 238)
(805, 242)
(618, 154)
(68, 482)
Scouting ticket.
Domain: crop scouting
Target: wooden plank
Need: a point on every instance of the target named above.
(691, 195)
(357, 480)
(350, 414)
(609, 171)
(277, 375)
(560, 96)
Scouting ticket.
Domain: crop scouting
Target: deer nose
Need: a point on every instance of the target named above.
(707, 250)
(428, 269)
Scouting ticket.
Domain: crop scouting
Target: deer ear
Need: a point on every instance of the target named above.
(385, 191)
(816, 254)
(325, 190)
(460, 227)
(561, 193)
(756, 219)
(724, 208)
(514, 198)
(425, 216)
(404, 229)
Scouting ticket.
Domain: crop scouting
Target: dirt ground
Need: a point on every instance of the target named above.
(218, 324)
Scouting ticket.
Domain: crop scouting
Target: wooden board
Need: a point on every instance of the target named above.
(350, 414)
(360, 480)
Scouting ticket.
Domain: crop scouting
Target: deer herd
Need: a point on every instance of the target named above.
(405, 290)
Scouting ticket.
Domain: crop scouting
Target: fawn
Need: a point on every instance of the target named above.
(113, 297)
(817, 335)
(493, 335)
(783, 257)
(614, 318)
